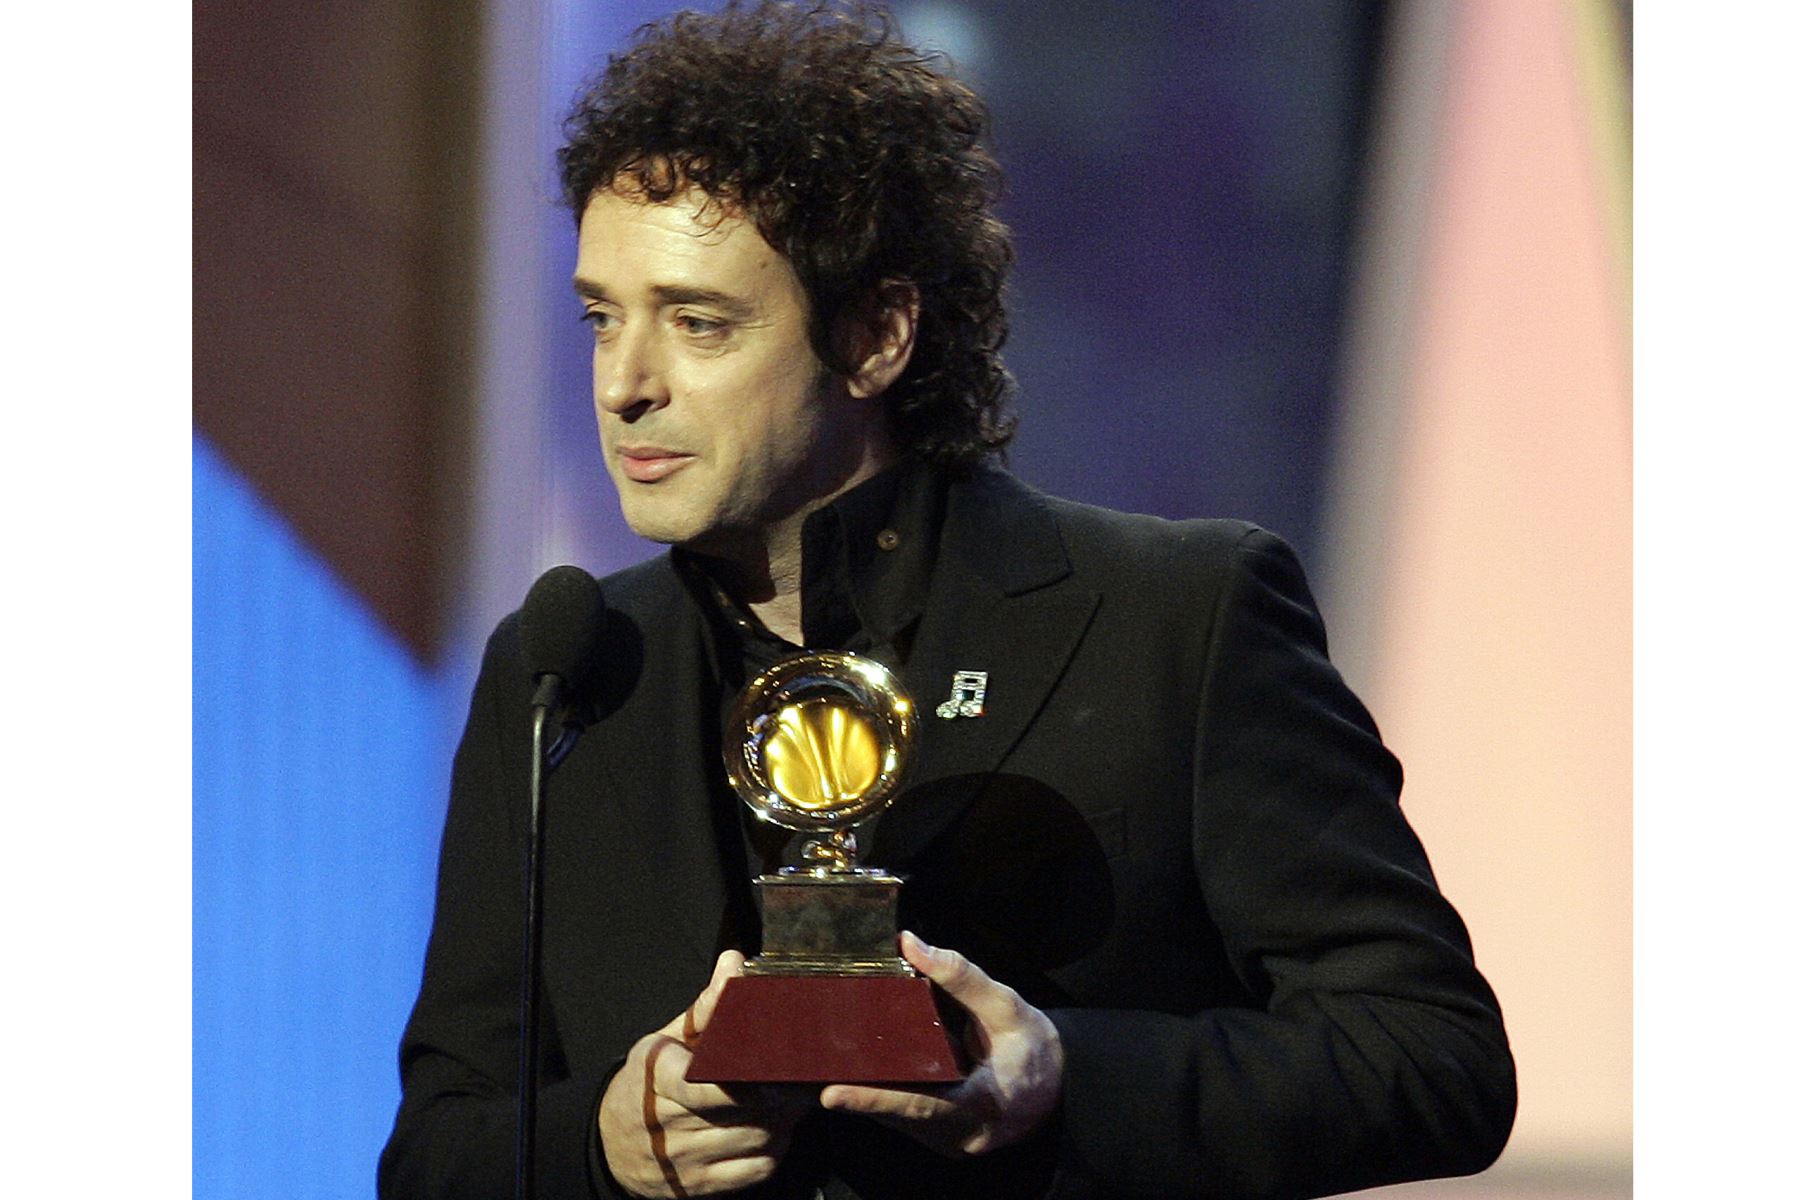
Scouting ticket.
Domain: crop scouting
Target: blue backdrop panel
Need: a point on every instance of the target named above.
(318, 783)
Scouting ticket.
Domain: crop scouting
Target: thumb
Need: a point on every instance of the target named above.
(690, 1024)
(991, 1003)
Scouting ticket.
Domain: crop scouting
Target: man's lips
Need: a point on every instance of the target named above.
(647, 464)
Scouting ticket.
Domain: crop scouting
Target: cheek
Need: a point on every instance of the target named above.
(790, 432)
(770, 415)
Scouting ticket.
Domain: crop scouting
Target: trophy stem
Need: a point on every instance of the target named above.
(834, 853)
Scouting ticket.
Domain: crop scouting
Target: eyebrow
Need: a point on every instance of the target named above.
(674, 294)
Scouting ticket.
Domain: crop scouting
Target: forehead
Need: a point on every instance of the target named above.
(626, 237)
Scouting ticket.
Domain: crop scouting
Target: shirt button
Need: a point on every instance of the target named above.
(887, 539)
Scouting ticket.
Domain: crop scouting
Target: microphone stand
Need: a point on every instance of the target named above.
(526, 1150)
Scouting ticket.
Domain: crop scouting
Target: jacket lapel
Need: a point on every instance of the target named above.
(1002, 601)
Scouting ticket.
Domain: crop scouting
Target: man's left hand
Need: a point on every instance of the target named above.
(1016, 1080)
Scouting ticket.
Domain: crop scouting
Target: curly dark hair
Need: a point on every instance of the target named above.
(855, 157)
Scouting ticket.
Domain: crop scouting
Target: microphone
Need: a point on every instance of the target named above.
(559, 628)
(559, 632)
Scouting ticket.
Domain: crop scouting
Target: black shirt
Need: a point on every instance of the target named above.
(865, 567)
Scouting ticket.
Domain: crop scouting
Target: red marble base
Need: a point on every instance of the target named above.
(826, 1029)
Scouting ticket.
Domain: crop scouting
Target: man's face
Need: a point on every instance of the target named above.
(720, 426)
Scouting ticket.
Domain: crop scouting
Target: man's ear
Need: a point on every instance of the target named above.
(881, 341)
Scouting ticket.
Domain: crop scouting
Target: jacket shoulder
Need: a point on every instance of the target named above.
(1131, 546)
(1044, 538)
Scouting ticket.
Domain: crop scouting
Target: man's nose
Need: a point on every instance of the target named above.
(628, 374)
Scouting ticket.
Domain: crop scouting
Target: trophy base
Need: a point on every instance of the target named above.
(826, 1029)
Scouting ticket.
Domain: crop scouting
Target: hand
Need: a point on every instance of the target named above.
(664, 1136)
(1016, 1082)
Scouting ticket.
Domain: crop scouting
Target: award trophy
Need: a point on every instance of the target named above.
(817, 743)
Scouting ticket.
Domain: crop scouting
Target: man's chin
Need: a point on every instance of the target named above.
(662, 534)
(673, 528)
(702, 533)
(653, 525)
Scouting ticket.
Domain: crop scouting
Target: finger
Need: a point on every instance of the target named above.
(893, 1104)
(941, 1123)
(736, 1174)
(774, 1107)
(708, 1101)
(730, 964)
(655, 1133)
(687, 1026)
(991, 1003)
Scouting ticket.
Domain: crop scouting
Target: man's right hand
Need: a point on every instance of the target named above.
(664, 1136)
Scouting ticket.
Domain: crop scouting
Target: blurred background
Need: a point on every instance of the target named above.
(1358, 271)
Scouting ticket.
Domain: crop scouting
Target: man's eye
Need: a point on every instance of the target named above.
(699, 326)
(598, 318)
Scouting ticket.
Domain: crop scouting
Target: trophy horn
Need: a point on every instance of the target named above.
(819, 742)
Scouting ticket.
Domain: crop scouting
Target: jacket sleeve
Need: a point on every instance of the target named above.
(456, 1130)
(1376, 1052)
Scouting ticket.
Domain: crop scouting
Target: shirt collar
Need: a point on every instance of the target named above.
(865, 566)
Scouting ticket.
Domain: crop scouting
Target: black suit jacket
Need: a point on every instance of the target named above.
(1174, 829)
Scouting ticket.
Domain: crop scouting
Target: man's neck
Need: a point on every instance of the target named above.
(766, 580)
(764, 571)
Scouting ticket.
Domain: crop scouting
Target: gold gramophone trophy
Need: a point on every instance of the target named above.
(817, 743)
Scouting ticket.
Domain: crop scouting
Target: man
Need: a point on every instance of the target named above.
(1200, 951)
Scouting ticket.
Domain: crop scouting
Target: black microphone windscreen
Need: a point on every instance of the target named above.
(559, 626)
